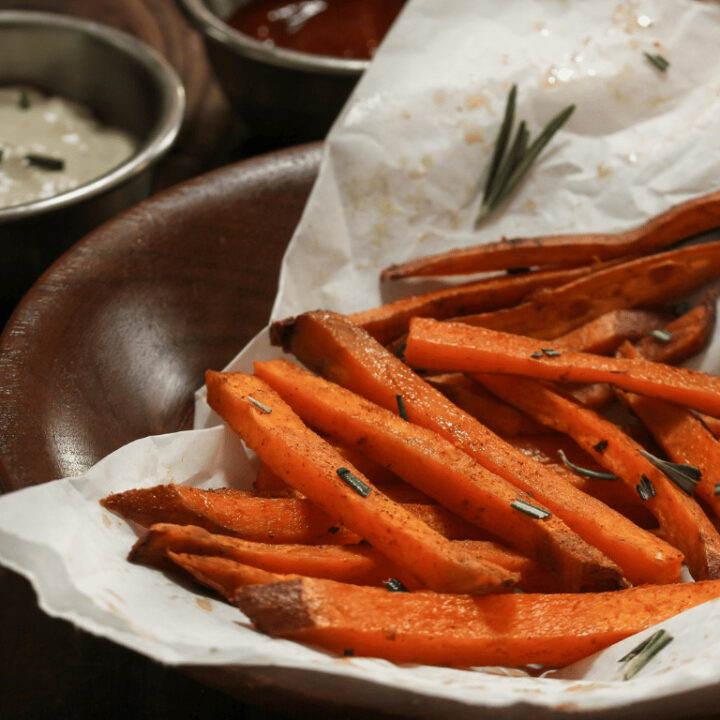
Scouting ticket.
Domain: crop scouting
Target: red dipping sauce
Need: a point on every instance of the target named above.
(340, 28)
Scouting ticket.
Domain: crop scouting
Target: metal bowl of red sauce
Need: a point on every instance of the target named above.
(289, 66)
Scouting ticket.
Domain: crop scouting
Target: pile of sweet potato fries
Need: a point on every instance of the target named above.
(446, 449)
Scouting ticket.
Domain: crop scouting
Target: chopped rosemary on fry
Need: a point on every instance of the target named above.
(686, 477)
(394, 585)
(662, 335)
(401, 407)
(258, 404)
(716, 491)
(549, 352)
(596, 474)
(601, 446)
(645, 488)
(536, 355)
(530, 509)
(508, 166)
(353, 481)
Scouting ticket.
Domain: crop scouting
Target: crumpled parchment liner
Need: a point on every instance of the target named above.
(400, 177)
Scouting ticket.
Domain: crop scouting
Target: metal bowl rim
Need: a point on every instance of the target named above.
(172, 105)
(212, 26)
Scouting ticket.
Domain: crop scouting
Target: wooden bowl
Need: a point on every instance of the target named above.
(107, 347)
(110, 343)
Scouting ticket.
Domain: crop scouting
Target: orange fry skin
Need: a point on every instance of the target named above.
(462, 631)
(438, 345)
(434, 465)
(390, 321)
(681, 519)
(340, 351)
(311, 465)
(679, 222)
(645, 282)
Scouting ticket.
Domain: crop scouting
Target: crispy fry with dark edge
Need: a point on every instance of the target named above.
(312, 466)
(357, 564)
(679, 222)
(604, 334)
(438, 345)
(689, 334)
(340, 351)
(682, 520)
(435, 466)
(682, 435)
(644, 282)
(270, 520)
(390, 321)
(457, 630)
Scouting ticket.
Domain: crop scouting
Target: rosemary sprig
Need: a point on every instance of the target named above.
(394, 585)
(502, 141)
(661, 63)
(597, 474)
(258, 404)
(530, 509)
(401, 406)
(662, 335)
(686, 477)
(45, 161)
(639, 656)
(353, 481)
(508, 167)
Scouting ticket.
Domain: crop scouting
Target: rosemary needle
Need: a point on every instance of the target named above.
(502, 141)
(661, 63)
(509, 166)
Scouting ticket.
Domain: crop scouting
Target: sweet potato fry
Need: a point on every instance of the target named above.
(683, 436)
(681, 519)
(435, 466)
(356, 564)
(457, 630)
(646, 282)
(617, 495)
(604, 334)
(307, 462)
(390, 321)
(689, 334)
(270, 520)
(677, 223)
(475, 400)
(454, 346)
(342, 352)
(223, 575)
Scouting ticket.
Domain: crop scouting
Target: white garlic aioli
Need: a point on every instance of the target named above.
(56, 128)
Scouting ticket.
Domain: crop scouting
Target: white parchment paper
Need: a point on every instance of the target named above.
(400, 177)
